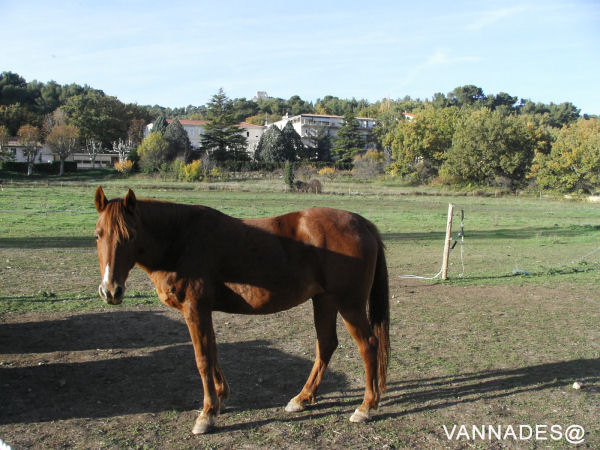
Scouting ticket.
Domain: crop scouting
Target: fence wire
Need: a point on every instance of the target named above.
(467, 249)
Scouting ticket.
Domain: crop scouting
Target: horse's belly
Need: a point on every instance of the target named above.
(248, 299)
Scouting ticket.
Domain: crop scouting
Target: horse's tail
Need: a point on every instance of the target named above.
(379, 313)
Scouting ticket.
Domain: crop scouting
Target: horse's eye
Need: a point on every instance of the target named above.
(97, 236)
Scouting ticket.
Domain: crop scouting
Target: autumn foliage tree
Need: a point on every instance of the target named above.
(420, 145)
(153, 152)
(489, 148)
(573, 163)
(5, 155)
(29, 138)
(63, 140)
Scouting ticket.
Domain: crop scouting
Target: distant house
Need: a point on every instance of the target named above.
(408, 116)
(306, 125)
(84, 161)
(195, 130)
(253, 134)
(47, 156)
(16, 149)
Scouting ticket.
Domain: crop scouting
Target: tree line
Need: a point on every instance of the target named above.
(67, 117)
(223, 140)
(482, 143)
(463, 136)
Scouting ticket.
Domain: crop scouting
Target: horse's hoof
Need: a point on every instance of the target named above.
(203, 424)
(294, 406)
(360, 416)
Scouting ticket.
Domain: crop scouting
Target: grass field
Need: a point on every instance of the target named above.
(499, 343)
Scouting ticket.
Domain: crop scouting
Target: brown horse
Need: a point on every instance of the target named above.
(201, 260)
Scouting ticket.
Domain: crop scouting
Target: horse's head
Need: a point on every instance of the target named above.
(115, 240)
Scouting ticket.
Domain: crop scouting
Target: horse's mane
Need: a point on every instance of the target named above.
(165, 215)
(119, 220)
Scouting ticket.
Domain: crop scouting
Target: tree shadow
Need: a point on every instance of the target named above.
(35, 242)
(430, 394)
(498, 233)
(442, 392)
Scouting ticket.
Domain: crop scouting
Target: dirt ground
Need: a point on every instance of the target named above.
(125, 377)
(67, 378)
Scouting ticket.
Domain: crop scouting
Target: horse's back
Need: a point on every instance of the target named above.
(342, 246)
(339, 231)
(272, 264)
(328, 229)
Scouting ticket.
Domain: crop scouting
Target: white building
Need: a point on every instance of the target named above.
(195, 130)
(84, 161)
(307, 125)
(253, 134)
(45, 155)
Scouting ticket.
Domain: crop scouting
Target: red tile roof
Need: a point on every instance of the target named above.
(204, 122)
(189, 122)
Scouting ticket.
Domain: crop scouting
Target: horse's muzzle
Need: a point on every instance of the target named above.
(112, 298)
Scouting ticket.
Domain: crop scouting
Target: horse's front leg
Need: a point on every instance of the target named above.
(199, 322)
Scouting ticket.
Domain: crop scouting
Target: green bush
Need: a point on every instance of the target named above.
(288, 175)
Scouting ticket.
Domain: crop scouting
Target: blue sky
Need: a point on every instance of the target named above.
(177, 53)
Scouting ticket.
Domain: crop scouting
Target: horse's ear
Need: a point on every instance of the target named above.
(100, 199)
(129, 201)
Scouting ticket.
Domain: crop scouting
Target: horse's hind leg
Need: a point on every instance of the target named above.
(325, 314)
(357, 323)
(221, 386)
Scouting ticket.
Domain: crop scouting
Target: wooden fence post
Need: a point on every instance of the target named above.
(447, 242)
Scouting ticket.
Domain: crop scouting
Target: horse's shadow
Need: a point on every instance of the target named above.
(133, 362)
(429, 394)
(121, 372)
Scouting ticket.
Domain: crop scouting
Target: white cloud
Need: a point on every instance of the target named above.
(485, 19)
(437, 59)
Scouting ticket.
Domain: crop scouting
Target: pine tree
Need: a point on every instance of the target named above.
(160, 124)
(222, 139)
(179, 142)
(288, 175)
(321, 144)
(348, 141)
(271, 147)
(293, 145)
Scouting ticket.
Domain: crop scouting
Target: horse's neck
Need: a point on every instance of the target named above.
(160, 232)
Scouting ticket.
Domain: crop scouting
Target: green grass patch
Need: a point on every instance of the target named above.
(46, 232)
